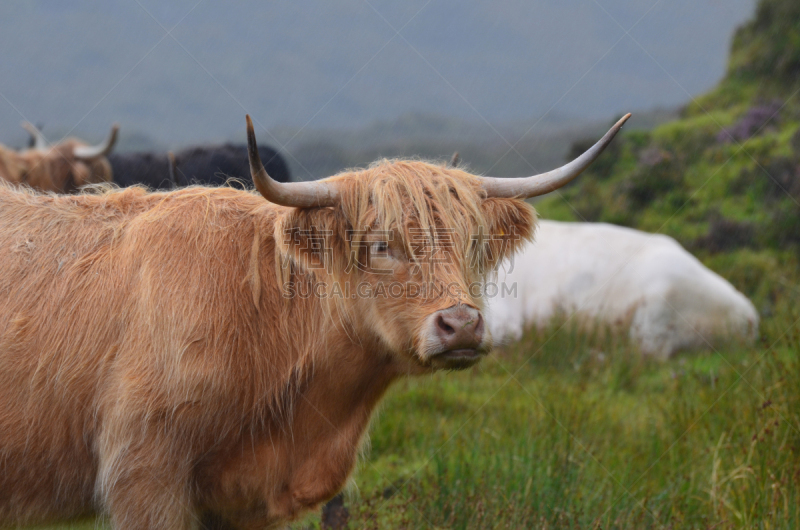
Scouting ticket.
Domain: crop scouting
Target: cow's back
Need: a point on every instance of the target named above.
(146, 169)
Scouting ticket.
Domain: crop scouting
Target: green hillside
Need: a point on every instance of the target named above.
(724, 178)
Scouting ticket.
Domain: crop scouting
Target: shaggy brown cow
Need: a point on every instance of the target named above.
(62, 168)
(154, 368)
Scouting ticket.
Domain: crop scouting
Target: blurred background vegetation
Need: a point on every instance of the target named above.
(724, 178)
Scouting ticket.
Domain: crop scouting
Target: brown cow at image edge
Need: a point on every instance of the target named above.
(61, 168)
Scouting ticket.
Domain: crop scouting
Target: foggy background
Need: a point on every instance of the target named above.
(508, 83)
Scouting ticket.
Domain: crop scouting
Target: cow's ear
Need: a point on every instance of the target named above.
(312, 240)
(511, 224)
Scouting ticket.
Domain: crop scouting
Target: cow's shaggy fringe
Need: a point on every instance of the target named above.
(421, 205)
(151, 368)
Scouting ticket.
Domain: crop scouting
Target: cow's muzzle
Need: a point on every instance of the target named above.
(457, 337)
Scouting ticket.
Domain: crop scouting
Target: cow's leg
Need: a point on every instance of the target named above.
(142, 486)
(335, 514)
(212, 521)
(256, 519)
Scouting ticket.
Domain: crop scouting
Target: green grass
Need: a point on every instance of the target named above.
(567, 430)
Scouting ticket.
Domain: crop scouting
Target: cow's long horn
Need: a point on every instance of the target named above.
(454, 159)
(536, 185)
(297, 194)
(90, 152)
(39, 141)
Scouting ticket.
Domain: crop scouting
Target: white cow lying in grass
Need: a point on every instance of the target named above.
(620, 276)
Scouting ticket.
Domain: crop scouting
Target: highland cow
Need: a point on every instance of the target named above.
(61, 168)
(153, 367)
(647, 285)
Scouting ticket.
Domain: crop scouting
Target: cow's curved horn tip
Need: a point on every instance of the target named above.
(622, 120)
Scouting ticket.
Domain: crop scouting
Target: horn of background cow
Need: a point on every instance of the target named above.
(172, 173)
(454, 159)
(296, 194)
(39, 141)
(536, 185)
(90, 152)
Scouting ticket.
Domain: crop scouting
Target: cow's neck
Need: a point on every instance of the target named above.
(331, 415)
(343, 390)
(309, 454)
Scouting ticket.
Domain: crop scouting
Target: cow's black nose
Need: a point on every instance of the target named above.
(459, 327)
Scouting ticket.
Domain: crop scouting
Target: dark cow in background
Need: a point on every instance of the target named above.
(208, 165)
(214, 165)
(149, 169)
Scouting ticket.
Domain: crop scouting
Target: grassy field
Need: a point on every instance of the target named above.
(565, 430)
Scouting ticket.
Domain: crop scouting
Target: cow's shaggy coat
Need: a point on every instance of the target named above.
(151, 368)
(643, 284)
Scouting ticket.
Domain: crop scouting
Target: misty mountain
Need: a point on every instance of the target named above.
(186, 71)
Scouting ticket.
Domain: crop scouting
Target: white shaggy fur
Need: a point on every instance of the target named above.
(621, 276)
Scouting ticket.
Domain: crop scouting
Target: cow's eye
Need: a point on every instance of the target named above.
(380, 247)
